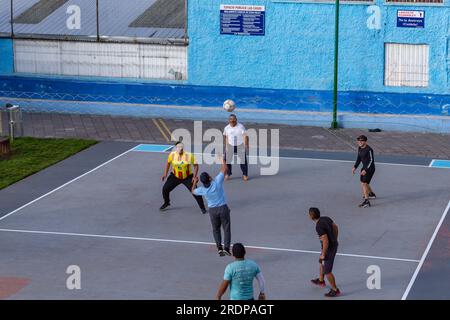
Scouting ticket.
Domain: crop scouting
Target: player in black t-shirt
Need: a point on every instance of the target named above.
(365, 155)
(327, 231)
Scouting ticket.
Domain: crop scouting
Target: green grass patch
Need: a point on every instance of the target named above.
(30, 155)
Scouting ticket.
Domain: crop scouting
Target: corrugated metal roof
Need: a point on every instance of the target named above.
(115, 18)
(55, 23)
(39, 11)
(162, 14)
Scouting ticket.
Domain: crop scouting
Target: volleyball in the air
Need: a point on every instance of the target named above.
(229, 105)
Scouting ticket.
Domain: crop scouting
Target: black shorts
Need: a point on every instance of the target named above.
(368, 177)
(329, 260)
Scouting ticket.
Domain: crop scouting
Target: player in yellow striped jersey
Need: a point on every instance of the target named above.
(182, 173)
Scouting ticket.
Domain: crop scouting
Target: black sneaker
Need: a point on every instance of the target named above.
(227, 252)
(332, 293)
(222, 253)
(364, 204)
(204, 211)
(317, 282)
(372, 195)
(164, 206)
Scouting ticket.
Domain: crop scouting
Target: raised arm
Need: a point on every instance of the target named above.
(224, 168)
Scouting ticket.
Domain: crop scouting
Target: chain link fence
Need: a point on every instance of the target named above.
(138, 21)
(139, 39)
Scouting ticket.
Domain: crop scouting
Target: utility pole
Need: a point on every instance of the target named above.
(334, 123)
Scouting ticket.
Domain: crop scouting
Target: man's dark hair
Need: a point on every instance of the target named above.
(178, 142)
(238, 250)
(232, 115)
(362, 138)
(314, 212)
(205, 179)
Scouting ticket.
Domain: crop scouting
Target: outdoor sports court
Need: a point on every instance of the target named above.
(107, 222)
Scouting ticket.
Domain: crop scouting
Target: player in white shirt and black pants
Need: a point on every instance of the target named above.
(236, 142)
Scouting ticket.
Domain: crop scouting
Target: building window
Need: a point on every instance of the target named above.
(406, 65)
(414, 1)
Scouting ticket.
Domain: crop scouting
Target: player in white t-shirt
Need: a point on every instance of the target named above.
(236, 142)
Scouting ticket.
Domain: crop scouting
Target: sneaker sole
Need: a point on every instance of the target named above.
(364, 206)
(166, 208)
(338, 295)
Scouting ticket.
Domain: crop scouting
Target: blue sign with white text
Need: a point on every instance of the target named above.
(410, 19)
(242, 20)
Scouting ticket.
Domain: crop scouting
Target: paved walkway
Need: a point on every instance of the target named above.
(108, 128)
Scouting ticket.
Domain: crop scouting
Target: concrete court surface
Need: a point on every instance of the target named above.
(108, 223)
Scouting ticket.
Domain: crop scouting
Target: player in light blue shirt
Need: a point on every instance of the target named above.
(239, 277)
(214, 193)
(219, 212)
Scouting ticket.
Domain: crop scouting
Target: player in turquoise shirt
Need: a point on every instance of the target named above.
(239, 276)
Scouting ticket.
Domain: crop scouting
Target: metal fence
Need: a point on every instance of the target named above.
(143, 21)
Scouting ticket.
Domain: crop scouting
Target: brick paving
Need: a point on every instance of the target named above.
(110, 128)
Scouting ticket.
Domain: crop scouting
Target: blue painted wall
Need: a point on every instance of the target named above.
(6, 56)
(48, 88)
(297, 49)
(285, 76)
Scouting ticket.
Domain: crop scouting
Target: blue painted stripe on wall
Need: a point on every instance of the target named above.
(6, 57)
(440, 164)
(204, 96)
(436, 124)
(152, 148)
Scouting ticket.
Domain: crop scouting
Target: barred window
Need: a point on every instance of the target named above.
(406, 65)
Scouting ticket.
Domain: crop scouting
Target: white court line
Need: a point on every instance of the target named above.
(65, 184)
(132, 149)
(299, 158)
(196, 242)
(422, 260)
(431, 163)
(349, 161)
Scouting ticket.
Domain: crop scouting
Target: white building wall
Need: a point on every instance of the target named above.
(101, 59)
